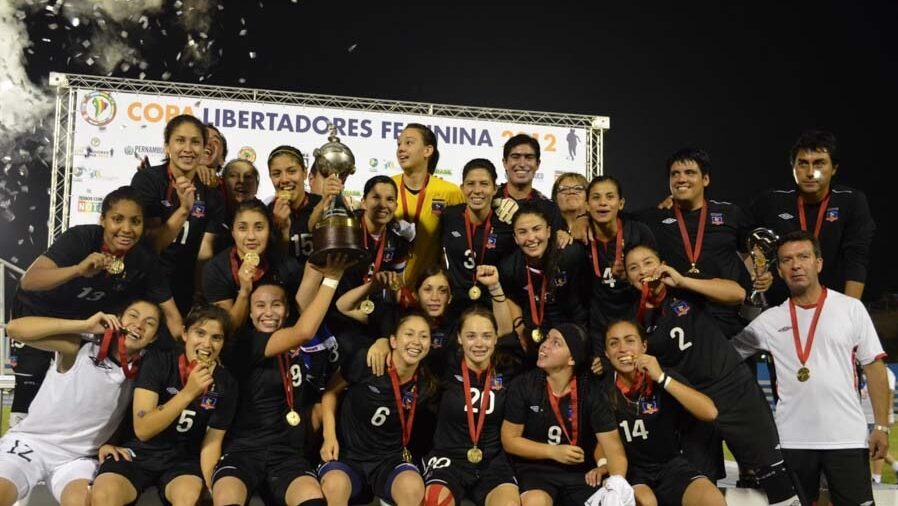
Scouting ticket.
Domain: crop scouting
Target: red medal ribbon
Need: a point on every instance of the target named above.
(105, 249)
(803, 354)
(618, 249)
(699, 236)
(129, 368)
(648, 298)
(421, 197)
(473, 431)
(470, 230)
(283, 365)
(235, 266)
(642, 385)
(379, 245)
(803, 221)
(553, 401)
(397, 395)
(537, 316)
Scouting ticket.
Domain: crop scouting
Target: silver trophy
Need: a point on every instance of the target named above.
(761, 245)
(337, 231)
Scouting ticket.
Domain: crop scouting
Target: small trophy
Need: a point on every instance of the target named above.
(337, 231)
(761, 244)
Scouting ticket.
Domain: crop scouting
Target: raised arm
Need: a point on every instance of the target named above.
(723, 291)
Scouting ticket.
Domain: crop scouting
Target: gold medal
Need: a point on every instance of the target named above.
(115, 266)
(475, 455)
(693, 270)
(804, 374)
(536, 335)
(367, 306)
(406, 455)
(396, 284)
(293, 418)
(474, 292)
(285, 194)
(251, 258)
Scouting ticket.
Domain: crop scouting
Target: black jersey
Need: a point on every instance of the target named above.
(220, 283)
(160, 200)
(612, 298)
(545, 204)
(726, 228)
(451, 437)
(846, 232)
(160, 373)
(82, 297)
(462, 260)
(528, 405)
(300, 239)
(647, 422)
(368, 423)
(394, 258)
(681, 335)
(566, 293)
(320, 360)
(261, 416)
(443, 345)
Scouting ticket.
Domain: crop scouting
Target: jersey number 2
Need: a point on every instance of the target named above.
(678, 334)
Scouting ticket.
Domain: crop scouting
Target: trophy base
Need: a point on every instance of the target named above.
(319, 257)
(750, 312)
(337, 234)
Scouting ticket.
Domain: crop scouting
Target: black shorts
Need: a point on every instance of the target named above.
(467, 480)
(847, 473)
(668, 481)
(369, 478)
(148, 469)
(275, 466)
(564, 486)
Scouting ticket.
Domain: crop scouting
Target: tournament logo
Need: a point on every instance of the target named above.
(372, 164)
(247, 153)
(717, 218)
(98, 108)
(832, 214)
(680, 308)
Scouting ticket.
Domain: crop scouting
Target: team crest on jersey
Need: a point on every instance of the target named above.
(209, 400)
(437, 206)
(648, 406)
(389, 251)
(437, 339)
(497, 382)
(669, 221)
(680, 308)
(491, 241)
(785, 216)
(716, 218)
(198, 210)
(832, 214)
(408, 397)
(561, 278)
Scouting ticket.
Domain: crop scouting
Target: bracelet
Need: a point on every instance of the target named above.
(330, 282)
(881, 428)
(602, 462)
(664, 380)
(499, 298)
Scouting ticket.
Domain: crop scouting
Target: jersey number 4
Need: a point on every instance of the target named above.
(638, 430)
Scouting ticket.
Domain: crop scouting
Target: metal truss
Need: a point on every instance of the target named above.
(68, 84)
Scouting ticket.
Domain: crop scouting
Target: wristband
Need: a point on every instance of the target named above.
(330, 282)
(662, 378)
(881, 428)
(666, 380)
(602, 462)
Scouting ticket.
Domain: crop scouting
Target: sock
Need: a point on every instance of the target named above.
(877, 478)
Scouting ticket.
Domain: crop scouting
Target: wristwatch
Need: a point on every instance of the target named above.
(881, 428)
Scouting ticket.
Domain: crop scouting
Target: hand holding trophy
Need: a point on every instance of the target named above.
(761, 245)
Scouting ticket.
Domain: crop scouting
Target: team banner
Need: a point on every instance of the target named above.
(113, 131)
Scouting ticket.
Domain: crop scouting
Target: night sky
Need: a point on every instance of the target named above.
(740, 79)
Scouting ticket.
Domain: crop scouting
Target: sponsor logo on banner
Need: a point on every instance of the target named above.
(138, 150)
(83, 173)
(98, 108)
(153, 112)
(247, 153)
(88, 152)
(88, 204)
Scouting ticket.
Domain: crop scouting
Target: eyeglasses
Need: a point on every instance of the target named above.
(571, 189)
(526, 156)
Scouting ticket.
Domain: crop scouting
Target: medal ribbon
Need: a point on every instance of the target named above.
(473, 431)
(379, 245)
(648, 298)
(421, 197)
(537, 316)
(699, 235)
(796, 336)
(235, 266)
(129, 368)
(618, 249)
(283, 365)
(397, 395)
(185, 368)
(471, 230)
(575, 408)
(803, 221)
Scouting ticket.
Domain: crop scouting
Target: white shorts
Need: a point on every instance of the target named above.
(25, 461)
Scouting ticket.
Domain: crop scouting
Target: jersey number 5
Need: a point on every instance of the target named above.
(186, 421)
